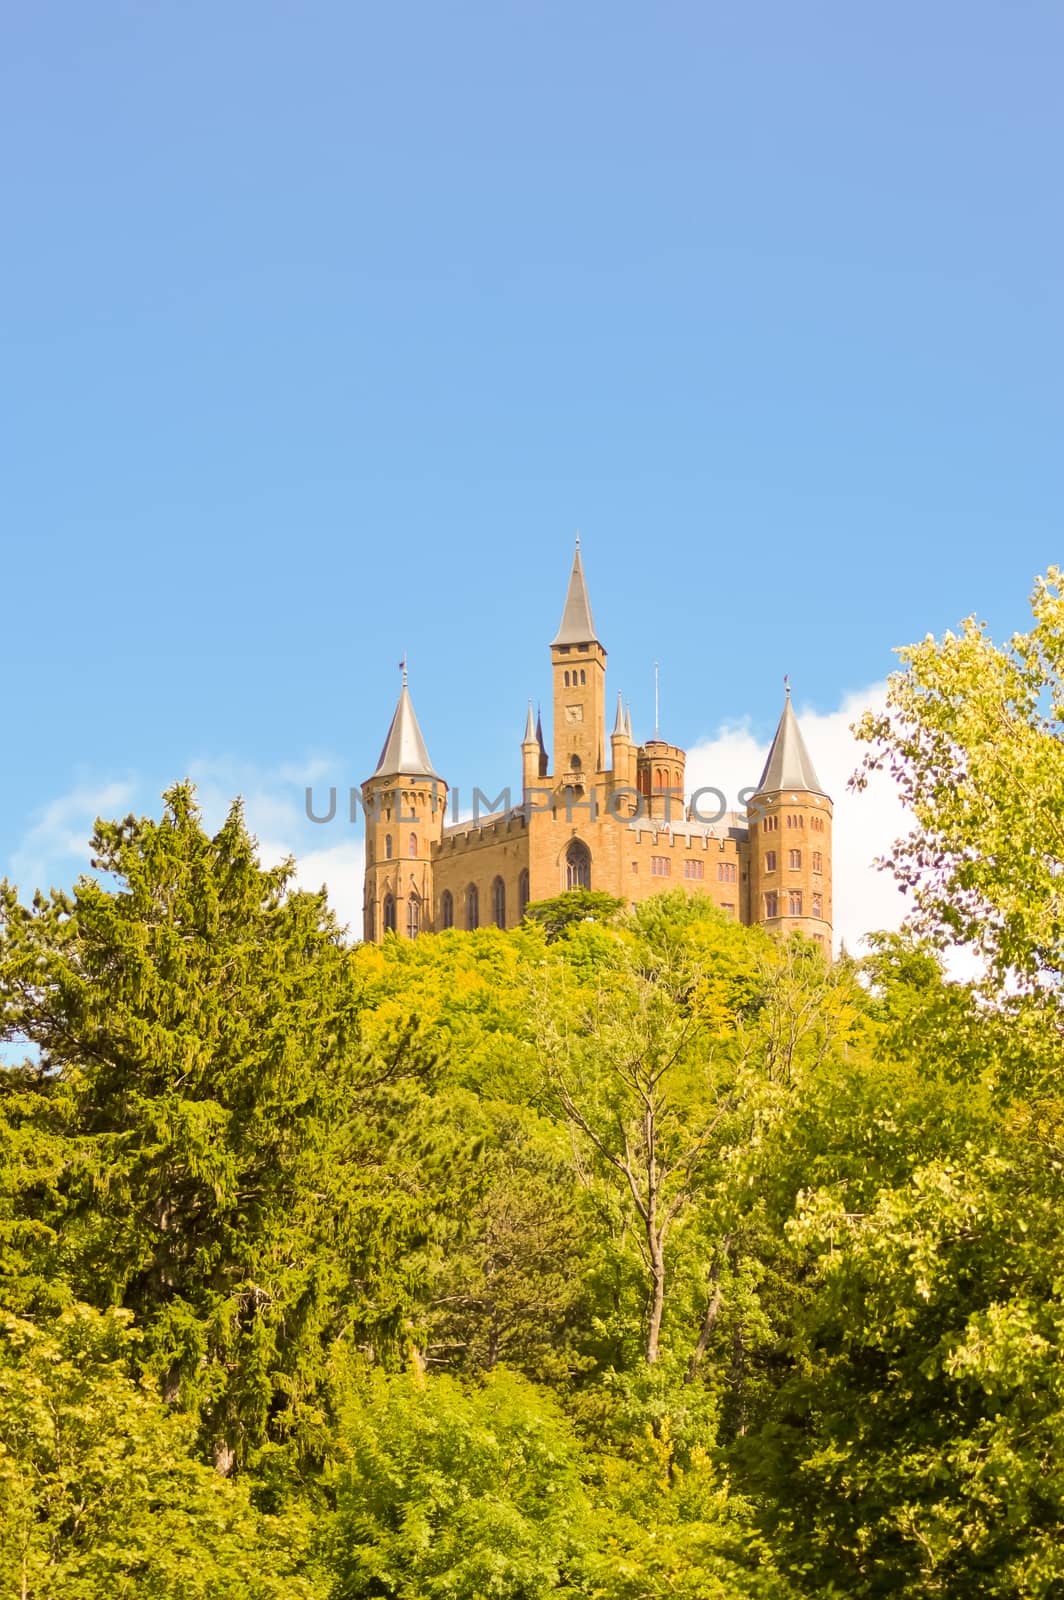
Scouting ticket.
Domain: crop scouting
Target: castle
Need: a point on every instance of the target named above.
(621, 827)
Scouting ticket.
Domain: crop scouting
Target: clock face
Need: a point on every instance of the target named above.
(574, 713)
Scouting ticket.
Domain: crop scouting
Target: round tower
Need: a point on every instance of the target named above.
(405, 802)
(790, 819)
(660, 771)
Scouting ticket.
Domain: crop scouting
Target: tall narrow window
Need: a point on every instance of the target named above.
(413, 844)
(772, 904)
(660, 866)
(522, 893)
(770, 860)
(694, 869)
(387, 847)
(498, 903)
(472, 916)
(447, 909)
(389, 914)
(794, 902)
(794, 859)
(818, 861)
(578, 866)
(818, 905)
(413, 917)
(567, 680)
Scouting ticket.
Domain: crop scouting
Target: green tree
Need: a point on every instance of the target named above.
(100, 1492)
(202, 1019)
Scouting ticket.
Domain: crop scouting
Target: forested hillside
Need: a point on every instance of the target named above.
(622, 1256)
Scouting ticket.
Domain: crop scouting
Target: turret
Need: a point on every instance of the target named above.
(529, 754)
(660, 769)
(790, 820)
(405, 801)
(622, 751)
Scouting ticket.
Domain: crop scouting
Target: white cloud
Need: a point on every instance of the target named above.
(865, 825)
(55, 848)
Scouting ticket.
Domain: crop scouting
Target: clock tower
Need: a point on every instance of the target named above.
(579, 665)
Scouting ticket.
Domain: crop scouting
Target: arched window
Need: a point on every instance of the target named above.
(498, 902)
(771, 904)
(583, 675)
(472, 908)
(447, 909)
(413, 917)
(567, 680)
(389, 914)
(575, 763)
(522, 893)
(578, 866)
(413, 844)
(387, 847)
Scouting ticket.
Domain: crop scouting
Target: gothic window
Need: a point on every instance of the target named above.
(818, 861)
(413, 917)
(387, 847)
(583, 675)
(694, 869)
(770, 860)
(447, 909)
(578, 866)
(794, 902)
(567, 680)
(727, 871)
(660, 866)
(575, 763)
(772, 904)
(522, 893)
(413, 844)
(498, 903)
(472, 919)
(818, 905)
(794, 860)
(389, 914)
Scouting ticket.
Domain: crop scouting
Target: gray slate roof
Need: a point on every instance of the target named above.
(576, 626)
(404, 750)
(789, 764)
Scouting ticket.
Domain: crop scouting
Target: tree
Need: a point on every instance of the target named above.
(572, 907)
(202, 1019)
(100, 1492)
(972, 735)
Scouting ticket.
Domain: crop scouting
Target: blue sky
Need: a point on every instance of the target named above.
(326, 326)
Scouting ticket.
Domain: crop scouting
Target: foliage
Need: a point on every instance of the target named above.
(99, 1493)
(564, 911)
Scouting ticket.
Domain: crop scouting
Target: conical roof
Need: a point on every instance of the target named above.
(530, 728)
(789, 765)
(618, 726)
(404, 749)
(576, 626)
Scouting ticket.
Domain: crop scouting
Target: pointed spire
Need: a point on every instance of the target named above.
(789, 765)
(404, 749)
(628, 722)
(530, 728)
(543, 762)
(576, 626)
(618, 726)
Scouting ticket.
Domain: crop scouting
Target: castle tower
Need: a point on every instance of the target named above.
(578, 661)
(790, 840)
(405, 801)
(660, 773)
(622, 751)
(529, 755)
